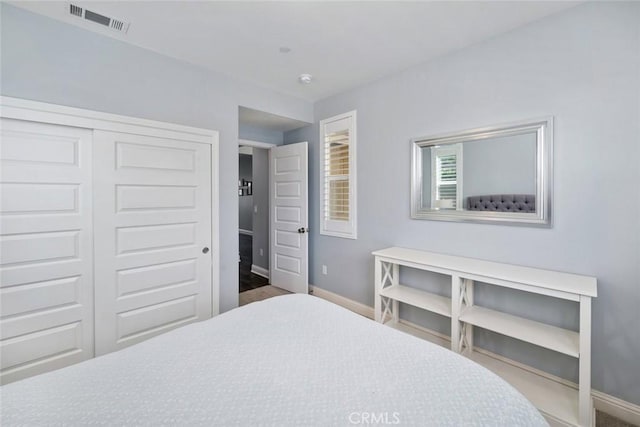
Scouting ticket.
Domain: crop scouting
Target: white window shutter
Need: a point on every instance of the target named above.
(446, 192)
(337, 169)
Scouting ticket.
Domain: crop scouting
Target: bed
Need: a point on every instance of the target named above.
(518, 203)
(291, 360)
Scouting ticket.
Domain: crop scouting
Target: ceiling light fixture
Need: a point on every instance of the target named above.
(305, 78)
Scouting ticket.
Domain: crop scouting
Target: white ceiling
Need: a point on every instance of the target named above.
(342, 44)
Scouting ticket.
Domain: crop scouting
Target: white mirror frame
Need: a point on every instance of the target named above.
(544, 174)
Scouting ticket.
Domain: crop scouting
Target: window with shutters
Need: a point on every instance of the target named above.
(338, 176)
(446, 177)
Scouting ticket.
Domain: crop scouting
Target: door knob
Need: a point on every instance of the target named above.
(303, 230)
(205, 250)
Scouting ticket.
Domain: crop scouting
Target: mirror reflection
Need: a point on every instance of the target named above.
(495, 174)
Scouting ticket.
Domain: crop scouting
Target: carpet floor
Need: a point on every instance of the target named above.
(605, 420)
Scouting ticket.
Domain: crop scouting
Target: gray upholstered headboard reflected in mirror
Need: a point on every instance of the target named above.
(523, 203)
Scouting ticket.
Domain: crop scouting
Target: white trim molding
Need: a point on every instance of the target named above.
(256, 144)
(260, 271)
(243, 149)
(23, 109)
(356, 307)
(625, 411)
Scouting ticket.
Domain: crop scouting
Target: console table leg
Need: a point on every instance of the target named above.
(585, 402)
(468, 301)
(455, 313)
(395, 281)
(378, 286)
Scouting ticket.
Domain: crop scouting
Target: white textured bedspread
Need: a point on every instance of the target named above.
(292, 360)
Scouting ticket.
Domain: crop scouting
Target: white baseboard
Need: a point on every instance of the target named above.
(255, 269)
(247, 232)
(356, 307)
(626, 411)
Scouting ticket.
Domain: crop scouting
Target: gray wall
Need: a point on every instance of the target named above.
(245, 203)
(581, 66)
(261, 204)
(260, 134)
(46, 60)
(499, 166)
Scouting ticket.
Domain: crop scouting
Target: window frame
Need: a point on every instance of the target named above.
(444, 150)
(337, 228)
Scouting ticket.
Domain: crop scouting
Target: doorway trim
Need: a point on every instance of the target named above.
(256, 144)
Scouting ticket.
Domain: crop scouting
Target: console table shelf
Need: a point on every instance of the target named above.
(560, 403)
(547, 336)
(422, 299)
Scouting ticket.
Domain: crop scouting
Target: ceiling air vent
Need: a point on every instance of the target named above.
(75, 10)
(114, 24)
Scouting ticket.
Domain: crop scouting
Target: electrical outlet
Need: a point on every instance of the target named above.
(255, 209)
(261, 252)
(324, 269)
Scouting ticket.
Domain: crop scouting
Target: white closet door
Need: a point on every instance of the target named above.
(152, 201)
(46, 286)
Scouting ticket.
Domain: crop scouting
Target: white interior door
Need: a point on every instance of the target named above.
(152, 203)
(288, 198)
(46, 283)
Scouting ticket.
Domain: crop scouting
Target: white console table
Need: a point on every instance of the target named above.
(559, 402)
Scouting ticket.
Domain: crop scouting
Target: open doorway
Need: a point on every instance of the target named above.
(259, 131)
(253, 220)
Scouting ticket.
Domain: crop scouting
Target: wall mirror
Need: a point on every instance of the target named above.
(499, 174)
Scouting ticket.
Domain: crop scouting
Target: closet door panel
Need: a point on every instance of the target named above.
(152, 198)
(46, 276)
